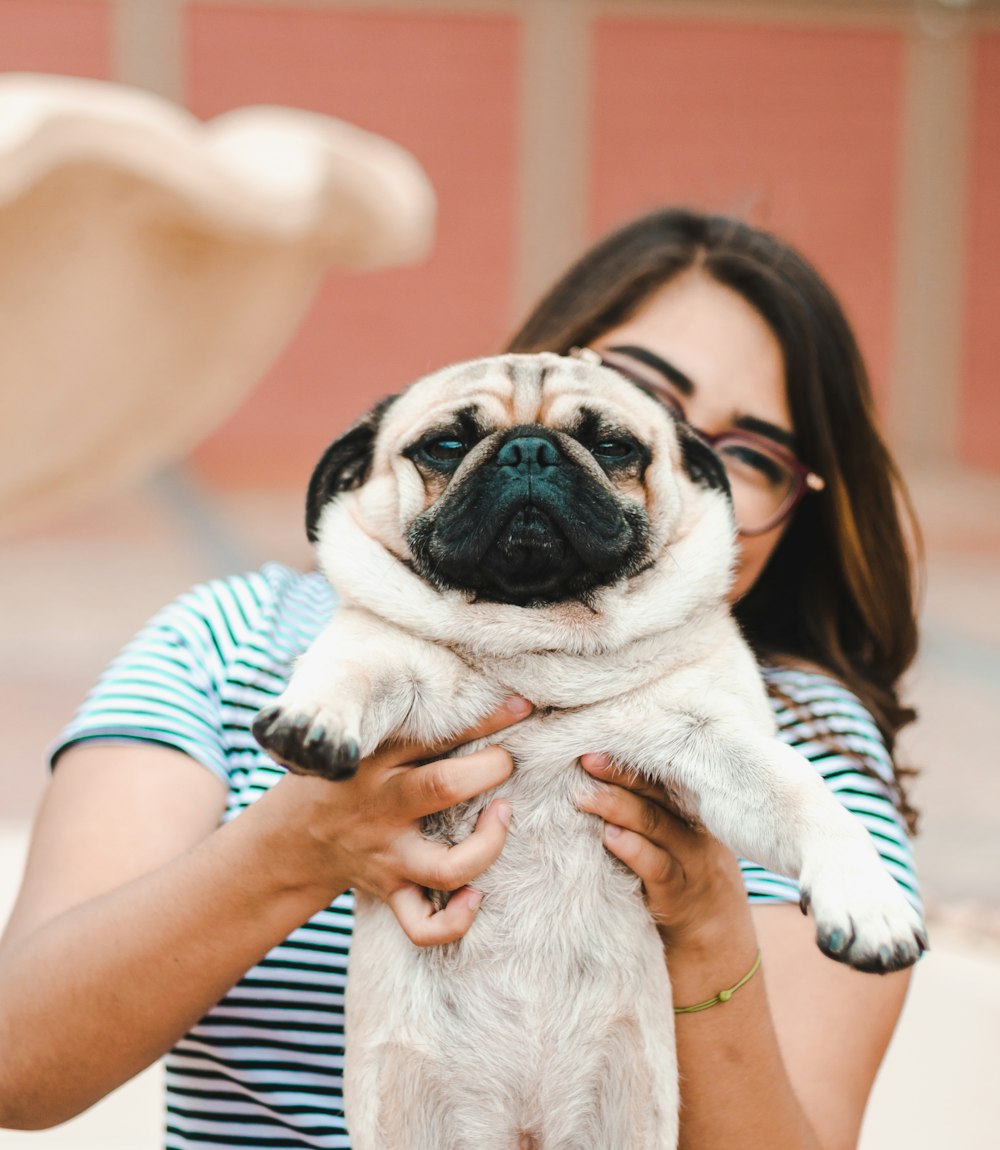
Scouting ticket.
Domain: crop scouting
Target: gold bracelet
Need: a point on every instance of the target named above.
(723, 995)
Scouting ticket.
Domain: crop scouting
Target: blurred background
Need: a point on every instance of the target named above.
(867, 133)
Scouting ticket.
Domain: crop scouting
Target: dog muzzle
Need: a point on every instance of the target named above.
(531, 526)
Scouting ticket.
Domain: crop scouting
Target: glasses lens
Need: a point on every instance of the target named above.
(763, 482)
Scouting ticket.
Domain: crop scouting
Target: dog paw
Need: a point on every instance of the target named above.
(306, 743)
(865, 920)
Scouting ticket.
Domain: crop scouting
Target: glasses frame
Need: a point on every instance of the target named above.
(805, 481)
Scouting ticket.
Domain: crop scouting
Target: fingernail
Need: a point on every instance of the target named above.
(595, 762)
(515, 705)
(611, 831)
(473, 898)
(503, 813)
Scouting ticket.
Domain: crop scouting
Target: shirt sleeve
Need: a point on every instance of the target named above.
(828, 725)
(172, 683)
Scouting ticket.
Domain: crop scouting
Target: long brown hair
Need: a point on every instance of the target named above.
(838, 592)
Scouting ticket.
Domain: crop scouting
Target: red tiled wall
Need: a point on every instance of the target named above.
(443, 86)
(69, 37)
(796, 129)
(979, 433)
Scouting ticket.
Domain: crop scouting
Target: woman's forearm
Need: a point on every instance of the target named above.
(735, 1090)
(101, 991)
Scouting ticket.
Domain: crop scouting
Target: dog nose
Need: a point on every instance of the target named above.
(528, 455)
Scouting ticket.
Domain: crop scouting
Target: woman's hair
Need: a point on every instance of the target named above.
(838, 590)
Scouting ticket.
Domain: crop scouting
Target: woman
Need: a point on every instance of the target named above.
(144, 925)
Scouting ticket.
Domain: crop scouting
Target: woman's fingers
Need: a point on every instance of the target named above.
(427, 927)
(636, 811)
(682, 868)
(450, 869)
(434, 787)
(655, 866)
(511, 711)
(601, 767)
(638, 832)
(442, 867)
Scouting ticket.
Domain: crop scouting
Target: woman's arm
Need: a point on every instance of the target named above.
(138, 913)
(789, 1061)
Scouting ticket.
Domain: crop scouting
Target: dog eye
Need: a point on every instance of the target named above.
(444, 449)
(613, 449)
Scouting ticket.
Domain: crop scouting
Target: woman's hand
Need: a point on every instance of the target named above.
(692, 882)
(365, 832)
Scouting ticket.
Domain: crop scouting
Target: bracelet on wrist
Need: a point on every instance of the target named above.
(723, 995)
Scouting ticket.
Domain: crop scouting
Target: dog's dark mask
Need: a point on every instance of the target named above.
(529, 525)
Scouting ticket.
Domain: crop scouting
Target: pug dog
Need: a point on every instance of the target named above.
(538, 525)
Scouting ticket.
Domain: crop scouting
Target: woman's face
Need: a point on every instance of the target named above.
(713, 355)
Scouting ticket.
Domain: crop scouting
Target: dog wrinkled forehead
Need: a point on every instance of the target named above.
(516, 390)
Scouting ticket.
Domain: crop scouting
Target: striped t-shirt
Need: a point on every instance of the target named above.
(263, 1068)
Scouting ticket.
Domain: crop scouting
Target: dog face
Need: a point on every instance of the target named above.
(529, 480)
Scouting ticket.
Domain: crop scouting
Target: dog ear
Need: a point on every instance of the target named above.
(701, 461)
(344, 466)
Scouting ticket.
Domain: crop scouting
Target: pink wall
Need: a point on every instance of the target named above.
(445, 87)
(70, 37)
(797, 129)
(980, 425)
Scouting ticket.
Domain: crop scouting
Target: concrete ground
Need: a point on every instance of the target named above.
(76, 590)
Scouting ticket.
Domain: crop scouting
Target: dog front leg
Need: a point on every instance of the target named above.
(347, 693)
(765, 802)
(361, 683)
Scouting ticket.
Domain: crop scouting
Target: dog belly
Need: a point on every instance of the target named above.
(552, 1032)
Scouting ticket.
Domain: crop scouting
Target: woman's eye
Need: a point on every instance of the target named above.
(748, 459)
(445, 449)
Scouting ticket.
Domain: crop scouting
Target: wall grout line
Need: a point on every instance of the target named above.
(930, 272)
(148, 48)
(554, 127)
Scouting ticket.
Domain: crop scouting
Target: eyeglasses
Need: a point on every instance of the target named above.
(767, 481)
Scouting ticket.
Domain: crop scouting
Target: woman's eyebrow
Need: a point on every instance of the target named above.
(666, 369)
(685, 386)
(770, 430)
